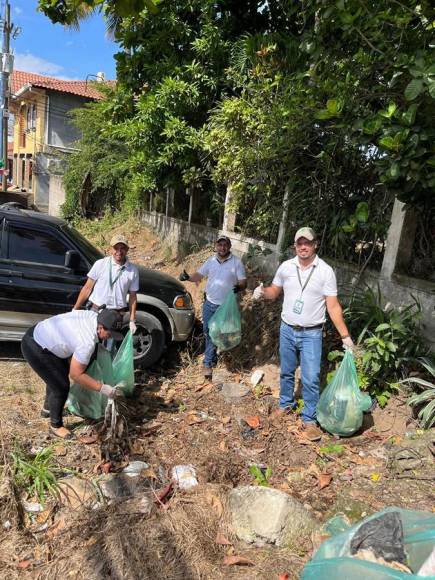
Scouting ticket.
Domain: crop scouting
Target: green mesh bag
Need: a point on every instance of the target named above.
(225, 326)
(91, 404)
(341, 405)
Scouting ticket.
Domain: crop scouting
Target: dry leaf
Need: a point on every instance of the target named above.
(324, 480)
(214, 501)
(88, 439)
(24, 564)
(222, 540)
(191, 420)
(149, 472)
(284, 576)
(223, 445)
(237, 561)
(226, 420)
(60, 451)
(253, 421)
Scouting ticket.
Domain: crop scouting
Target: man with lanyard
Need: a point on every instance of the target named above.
(61, 347)
(310, 289)
(110, 280)
(225, 273)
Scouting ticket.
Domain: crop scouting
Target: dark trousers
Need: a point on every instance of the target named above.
(53, 370)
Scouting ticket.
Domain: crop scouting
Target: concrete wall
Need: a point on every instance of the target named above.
(395, 288)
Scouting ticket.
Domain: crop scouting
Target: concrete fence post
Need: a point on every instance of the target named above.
(400, 240)
(283, 222)
(229, 222)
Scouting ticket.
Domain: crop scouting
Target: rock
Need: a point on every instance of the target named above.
(120, 486)
(32, 507)
(76, 492)
(233, 392)
(220, 376)
(256, 377)
(261, 515)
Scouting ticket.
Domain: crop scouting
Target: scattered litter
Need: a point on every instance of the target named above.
(256, 377)
(32, 507)
(7, 525)
(246, 431)
(134, 468)
(184, 476)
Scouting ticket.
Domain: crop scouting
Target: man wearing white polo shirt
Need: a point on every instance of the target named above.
(225, 273)
(111, 280)
(310, 289)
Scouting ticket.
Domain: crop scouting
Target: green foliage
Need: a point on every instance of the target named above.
(260, 475)
(424, 401)
(388, 340)
(37, 475)
(330, 100)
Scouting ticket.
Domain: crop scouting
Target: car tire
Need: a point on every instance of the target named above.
(148, 340)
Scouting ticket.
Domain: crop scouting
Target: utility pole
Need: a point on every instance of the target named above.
(6, 69)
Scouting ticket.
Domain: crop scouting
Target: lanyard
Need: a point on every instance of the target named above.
(112, 282)
(306, 281)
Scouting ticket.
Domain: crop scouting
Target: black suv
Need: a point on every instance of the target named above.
(43, 265)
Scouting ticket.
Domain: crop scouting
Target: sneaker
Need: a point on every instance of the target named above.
(311, 432)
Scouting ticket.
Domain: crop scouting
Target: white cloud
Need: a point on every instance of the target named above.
(18, 10)
(30, 63)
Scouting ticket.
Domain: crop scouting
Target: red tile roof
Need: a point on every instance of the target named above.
(81, 88)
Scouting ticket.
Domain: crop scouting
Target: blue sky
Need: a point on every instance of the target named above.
(50, 49)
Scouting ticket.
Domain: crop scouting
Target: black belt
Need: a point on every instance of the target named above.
(301, 328)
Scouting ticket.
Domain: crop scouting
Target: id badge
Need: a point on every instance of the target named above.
(298, 306)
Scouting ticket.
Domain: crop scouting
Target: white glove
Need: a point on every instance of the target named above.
(348, 343)
(258, 292)
(132, 326)
(108, 391)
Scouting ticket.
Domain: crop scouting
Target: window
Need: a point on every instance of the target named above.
(34, 116)
(27, 245)
(30, 175)
(23, 172)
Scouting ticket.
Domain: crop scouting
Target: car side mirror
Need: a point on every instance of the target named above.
(72, 260)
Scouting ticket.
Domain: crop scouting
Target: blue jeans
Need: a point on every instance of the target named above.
(210, 355)
(306, 345)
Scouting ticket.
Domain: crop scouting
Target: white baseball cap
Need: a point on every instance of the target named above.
(307, 233)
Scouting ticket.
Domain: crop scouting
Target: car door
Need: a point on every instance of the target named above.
(39, 283)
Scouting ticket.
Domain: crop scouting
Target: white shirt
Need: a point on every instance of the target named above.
(321, 284)
(70, 334)
(125, 279)
(222, 277)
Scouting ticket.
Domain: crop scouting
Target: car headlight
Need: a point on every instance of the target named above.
(183, 302)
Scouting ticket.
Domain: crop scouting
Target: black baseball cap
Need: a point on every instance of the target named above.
(224, 239)
(112, 321)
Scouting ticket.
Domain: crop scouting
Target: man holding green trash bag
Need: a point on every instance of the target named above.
(61, 347)
(225, 273)
(310, 289)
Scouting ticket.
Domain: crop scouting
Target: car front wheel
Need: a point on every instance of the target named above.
(148, 340)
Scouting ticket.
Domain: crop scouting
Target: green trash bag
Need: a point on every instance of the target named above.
(341, 405)
(225, 326)
(334, 557)
(91, 404)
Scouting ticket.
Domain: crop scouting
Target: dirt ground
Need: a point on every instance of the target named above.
(175, 418)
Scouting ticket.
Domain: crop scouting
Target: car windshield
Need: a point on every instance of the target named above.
(91, 253)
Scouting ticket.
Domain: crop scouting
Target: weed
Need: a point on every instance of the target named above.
(260, 475)
(181, 408)
(299, 406)
(37, 475)
(333, 448)
(426, 399)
